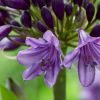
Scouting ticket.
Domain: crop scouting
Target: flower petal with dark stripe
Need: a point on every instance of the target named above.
(88, 56)
(43, 56)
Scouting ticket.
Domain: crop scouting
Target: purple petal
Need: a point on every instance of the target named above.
(49, 36)
(82, 36)
(34, 42)
(51, 75)
(95, 53)
(86, 71)
(32, 72)
(30, 56)
(53, 70)
(70, 58)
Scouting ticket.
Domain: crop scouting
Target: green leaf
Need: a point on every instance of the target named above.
(5, 94)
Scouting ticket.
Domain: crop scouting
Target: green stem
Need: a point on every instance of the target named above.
(60, 86)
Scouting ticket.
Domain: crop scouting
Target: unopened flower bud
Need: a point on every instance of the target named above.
(48, 2)
(58, 8)
(1, 3)
(34, 2)
(3, 15)
(41, 27)
(4, 31)
(78, 2)
(90, 10)
(68, 9)
(41, 3)
(98, 12)
(95, 32)
(17, 4)
(47, 17)
(26, 19)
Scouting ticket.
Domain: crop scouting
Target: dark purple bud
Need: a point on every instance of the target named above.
(58, 8)
(1, 3)
(17, 4)
(98, 12)
(3, 15)
(41, 27)
(1, 23)
(47, 17)
(48, 3)
(15, 23)
(34, 2)
(90, 10)
(4, 31)
(27, 2)
(78, 2)
(8, 45)
(68, 9)
(41, 3)
(26, 19)
(95, 32)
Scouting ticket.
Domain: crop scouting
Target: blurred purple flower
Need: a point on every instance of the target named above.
(42, 57)
(8, 45)
(88, 55)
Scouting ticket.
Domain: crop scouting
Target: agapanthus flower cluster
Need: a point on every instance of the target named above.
(48, 28)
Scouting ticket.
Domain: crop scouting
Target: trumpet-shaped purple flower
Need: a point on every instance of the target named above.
(43, 57)
(88, 55)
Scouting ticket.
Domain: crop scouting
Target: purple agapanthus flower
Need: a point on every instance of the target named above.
(43, 57)
(88, 56)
